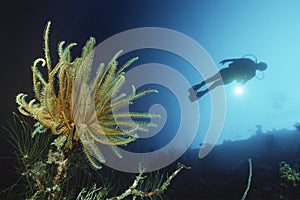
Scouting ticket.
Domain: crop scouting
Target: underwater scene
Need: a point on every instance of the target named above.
(175, 100)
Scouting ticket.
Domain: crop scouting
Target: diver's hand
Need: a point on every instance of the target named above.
(223, 62)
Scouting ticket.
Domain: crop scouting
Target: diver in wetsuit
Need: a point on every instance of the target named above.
(239, 69)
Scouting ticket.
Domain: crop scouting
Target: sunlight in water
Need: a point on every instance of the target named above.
(238, 90)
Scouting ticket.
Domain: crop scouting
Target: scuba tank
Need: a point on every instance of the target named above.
(262, 76)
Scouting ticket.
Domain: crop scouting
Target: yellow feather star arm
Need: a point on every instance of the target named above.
(75, 108)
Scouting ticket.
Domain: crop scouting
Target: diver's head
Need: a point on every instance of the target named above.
(262, 66)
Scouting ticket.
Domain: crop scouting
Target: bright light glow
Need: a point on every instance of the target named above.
(238, 90)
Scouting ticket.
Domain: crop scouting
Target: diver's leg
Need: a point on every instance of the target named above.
(213, 86)
(198, 86)
(211, 79)
(194, 96)
(194, 89)
(216, 84)
(215, 77)
(203, 92)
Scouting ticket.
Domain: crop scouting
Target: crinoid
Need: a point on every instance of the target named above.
(78, 109)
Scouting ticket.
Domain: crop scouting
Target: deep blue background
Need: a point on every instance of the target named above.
(233, 28)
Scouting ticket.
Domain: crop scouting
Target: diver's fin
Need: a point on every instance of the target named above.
(192, 96)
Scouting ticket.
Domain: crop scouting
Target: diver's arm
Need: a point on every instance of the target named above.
(240, 60)
(229, 60)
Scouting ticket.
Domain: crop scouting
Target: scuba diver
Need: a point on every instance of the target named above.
(239, 69)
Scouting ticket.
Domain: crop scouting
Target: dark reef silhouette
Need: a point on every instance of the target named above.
(223, 173)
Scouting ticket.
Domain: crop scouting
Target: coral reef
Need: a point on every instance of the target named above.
(289, 174)
(44, 174)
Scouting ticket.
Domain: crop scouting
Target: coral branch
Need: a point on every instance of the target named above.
(132, 191)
